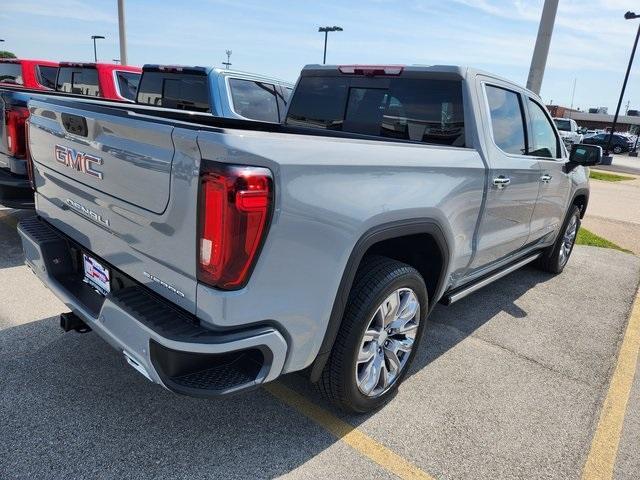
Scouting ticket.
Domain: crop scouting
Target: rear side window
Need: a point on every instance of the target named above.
(422, 110)
(182, 91)
(544, 142)
(128, 84)
(254, 100)
(47, 76)
(507, 120)
(79, 81)
(11, 73)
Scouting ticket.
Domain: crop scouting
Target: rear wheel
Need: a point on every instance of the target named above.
(555, 257)
(617, 149)
(378, 337)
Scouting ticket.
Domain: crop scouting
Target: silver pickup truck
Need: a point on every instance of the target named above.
(219, 254)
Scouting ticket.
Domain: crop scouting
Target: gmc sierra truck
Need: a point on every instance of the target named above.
(219, 254)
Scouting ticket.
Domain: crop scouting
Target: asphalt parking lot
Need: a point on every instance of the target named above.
(509, 383)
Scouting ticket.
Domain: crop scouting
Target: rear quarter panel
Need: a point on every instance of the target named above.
(328, 193)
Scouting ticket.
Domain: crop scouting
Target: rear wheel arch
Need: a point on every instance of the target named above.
(394, 240)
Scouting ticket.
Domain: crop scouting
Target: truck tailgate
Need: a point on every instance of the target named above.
(104, 177)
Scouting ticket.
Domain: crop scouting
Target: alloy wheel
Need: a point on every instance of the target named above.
(387, 342)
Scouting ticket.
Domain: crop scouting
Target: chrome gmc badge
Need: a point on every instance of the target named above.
(81, 162)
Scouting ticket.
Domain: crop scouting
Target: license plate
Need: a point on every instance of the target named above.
(96, 274)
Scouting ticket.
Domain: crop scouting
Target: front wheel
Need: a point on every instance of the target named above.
(378, 337)
(555, 257)
(617, 149)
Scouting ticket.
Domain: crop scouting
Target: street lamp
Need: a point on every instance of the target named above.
(627, 16)
(115, 60)
(326, 31)
(95, 53)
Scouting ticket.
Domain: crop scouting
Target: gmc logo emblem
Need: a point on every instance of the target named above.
(81, 162)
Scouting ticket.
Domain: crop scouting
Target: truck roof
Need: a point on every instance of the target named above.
(46, 63)
(102, 66)
(207, 70)
(451, 71)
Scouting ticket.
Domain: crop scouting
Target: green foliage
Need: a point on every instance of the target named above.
(5, 54)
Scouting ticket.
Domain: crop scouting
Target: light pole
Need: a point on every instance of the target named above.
(95, 52)
(122, 33)
(115, 60)
(326, 31)
(627, 16)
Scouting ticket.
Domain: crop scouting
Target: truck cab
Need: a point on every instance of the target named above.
(31, 74)
(104, 80)
(223, 93)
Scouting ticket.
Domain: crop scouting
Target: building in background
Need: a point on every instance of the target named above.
(600, 119)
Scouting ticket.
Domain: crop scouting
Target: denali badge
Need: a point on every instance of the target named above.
(155, 279)
(78, 207)
(82, 162)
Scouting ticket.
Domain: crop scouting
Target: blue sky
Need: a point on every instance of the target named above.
(591, 41)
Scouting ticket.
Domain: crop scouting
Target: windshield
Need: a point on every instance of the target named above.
(564, 125)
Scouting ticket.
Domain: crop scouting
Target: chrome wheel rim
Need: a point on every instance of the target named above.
(568, 240)
(387, 342)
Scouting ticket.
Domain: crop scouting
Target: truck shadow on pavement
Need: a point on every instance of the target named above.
(72, 407)
(10, 245)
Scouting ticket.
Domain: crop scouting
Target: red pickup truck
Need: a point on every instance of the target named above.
(106, 80)
(32, 74)
(19, 81)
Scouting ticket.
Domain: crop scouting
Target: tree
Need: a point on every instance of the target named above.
(5, 54)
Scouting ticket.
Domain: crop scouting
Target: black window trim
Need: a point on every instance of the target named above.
(39, 66)
(559, 151)
(117, 84)
(523, 115)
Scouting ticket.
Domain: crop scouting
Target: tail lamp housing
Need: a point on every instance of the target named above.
(15, 120)
(235, 209)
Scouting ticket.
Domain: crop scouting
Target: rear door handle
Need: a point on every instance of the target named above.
(501, 182)
(546, 178)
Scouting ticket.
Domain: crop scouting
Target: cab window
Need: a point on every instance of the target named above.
(543, 142)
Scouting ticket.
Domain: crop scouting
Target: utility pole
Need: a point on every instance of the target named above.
(573, 93)
(122, 33)
(227, 64)
(541, 50)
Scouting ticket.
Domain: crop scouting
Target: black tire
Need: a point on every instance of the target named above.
(551, 259)
(376, 279)
(617, 149)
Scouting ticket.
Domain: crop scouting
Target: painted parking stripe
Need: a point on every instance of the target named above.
(349, 434)
(604, 448)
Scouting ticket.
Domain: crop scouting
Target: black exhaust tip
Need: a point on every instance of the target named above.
(70, 321)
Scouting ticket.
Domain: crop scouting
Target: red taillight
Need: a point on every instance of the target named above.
(15, 121)
(370, 70)
(235, 204)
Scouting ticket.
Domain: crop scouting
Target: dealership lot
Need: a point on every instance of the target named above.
(509, 383)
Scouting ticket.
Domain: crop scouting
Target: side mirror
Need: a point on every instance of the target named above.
(585, 155)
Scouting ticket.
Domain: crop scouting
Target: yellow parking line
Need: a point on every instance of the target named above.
(349, 434)
(604, 448)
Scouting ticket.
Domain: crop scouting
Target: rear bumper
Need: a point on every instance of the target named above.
(15, 189)
(165, 344)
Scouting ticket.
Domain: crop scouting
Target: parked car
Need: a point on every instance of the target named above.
(569, 131)
(223, 93)
(105, 80)
(619, 143)
(32, 74)
(218, 254)
(109, 81)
